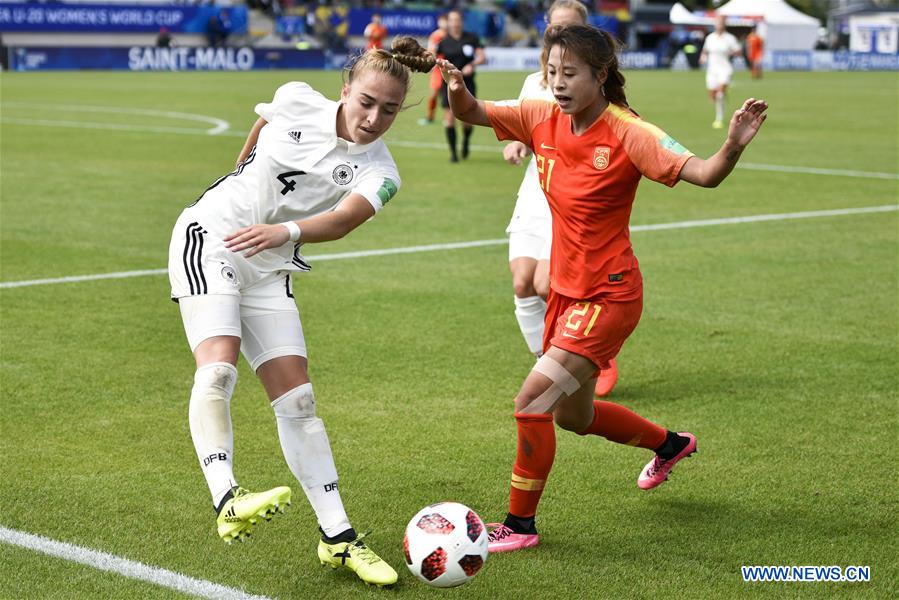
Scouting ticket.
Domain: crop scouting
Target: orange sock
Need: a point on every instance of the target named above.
(533, 461)
(432, 106)
(622, 426)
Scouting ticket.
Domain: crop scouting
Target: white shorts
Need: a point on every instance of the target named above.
(528, 244)
(220, 293)
(530, 229)
(715, 78)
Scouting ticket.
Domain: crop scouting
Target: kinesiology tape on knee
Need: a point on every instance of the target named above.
(303, 437)
(563, 382)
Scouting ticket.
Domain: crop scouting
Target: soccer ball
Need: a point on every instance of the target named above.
(445, 544)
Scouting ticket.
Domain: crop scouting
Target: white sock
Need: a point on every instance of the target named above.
(210, 426)
(530, 312)
(719, 106)
(307, 451)
(328, 506)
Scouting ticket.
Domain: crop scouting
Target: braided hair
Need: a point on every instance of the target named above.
(406, 55)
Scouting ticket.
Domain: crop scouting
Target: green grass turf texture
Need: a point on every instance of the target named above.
(775, 343)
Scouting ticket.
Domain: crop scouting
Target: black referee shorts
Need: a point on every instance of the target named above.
(469, 83)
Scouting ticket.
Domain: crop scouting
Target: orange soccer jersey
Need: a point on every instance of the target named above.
(375, 32)
(755, 47)
(590, 181)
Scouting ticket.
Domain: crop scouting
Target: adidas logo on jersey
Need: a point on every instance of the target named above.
(295, 135)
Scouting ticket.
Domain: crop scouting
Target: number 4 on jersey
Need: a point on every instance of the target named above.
(289, 184)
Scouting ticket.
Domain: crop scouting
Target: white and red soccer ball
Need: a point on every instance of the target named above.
(445, 544)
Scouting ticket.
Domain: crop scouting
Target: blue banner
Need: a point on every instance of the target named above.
(398, 22)
(609, 24)
(163, 59)
(117, 18)
(825, 60)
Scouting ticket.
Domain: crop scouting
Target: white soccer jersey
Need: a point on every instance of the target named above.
(719, 49)
(531, 205)
(298, 169)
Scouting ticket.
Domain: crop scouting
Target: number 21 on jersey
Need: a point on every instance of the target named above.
(545, 169)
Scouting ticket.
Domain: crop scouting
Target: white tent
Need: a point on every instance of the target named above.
(680, 15)
(782, 26)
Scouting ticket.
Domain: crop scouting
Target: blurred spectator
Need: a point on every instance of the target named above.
(375, 32)
(330, 26)
(218, 28)
(692, 48)
(164, 38)
(340, 21)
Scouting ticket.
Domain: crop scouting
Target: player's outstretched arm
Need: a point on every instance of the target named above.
(352, 212)
(743, 126)
(252, 138)
(465, 107)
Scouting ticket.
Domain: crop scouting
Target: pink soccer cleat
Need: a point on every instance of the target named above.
(607, 380)
(503, 539)
(655, 473)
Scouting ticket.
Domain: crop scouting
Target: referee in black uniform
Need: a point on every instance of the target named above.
(464, 50)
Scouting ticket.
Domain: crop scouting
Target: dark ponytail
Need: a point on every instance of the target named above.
(595, 47)
(614, 85)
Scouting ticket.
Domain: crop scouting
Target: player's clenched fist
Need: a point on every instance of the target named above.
(514, 152)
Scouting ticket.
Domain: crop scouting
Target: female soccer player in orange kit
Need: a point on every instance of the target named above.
(591, 150)
(436, 81)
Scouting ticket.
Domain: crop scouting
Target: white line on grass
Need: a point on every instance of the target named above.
(122, 566)
(497, 242)
(221, 130)
(108, 126)
(817, 171)
(218, 125)
(740, 165)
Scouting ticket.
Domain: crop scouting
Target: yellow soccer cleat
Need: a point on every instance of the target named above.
(359, 558)
(240, 513)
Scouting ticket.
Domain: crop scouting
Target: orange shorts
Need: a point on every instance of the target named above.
(594, 328)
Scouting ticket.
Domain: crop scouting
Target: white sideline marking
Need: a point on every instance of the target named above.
(497, 242)
(218, 125)
(817, 171)
(221, 129)
(109, 126)
(740, 165)
(123, 566)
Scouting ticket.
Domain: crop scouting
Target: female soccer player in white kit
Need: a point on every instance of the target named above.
(717, 50)
(312, 170)
(530, 230)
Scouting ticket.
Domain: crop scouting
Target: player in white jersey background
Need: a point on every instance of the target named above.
(717, 51)
(530, 230)
(311, 170)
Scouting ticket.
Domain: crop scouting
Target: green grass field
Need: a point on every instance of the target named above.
(774, 342)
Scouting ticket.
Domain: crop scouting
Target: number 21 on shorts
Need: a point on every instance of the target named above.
(578, 317)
